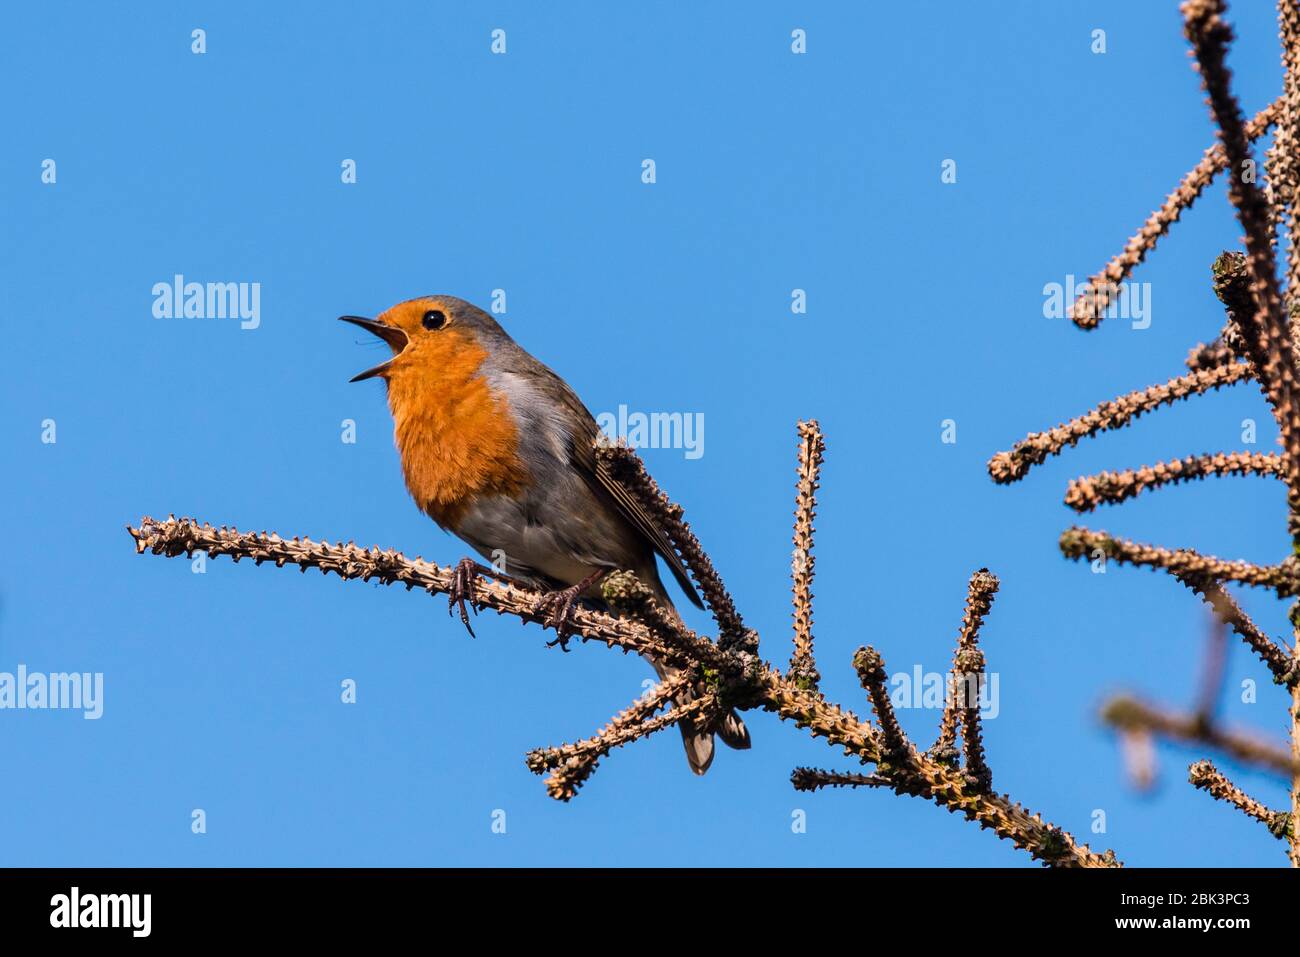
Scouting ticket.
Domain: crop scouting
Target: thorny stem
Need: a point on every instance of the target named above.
(1111, 488)
(1264, 328)
(1293, 839)
(1095, 297)
(981, 588)
(871, 673)
(185, 536)
(1277, 658)
(572, 764)
(1204, 776)
(813, 779)
(1084, 544)
(812, 447)
(1263, 331)
(1034, 449)
(925, 777)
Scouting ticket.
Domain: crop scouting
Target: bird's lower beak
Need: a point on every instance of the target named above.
(395, 338)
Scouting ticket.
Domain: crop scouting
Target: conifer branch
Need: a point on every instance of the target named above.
(1037, 447)
(1095, 297)
(1204, 776)
(1083, 544)
(812, 448)
(1111, 488)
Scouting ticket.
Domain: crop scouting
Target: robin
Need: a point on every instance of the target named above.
(497, 449)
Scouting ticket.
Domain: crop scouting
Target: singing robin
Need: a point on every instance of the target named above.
(497, 449)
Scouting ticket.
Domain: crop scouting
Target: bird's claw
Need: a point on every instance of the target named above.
(556, 611)
(556, 608)
(462, 589)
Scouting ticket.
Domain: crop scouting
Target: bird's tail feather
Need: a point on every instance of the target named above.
(698, 741)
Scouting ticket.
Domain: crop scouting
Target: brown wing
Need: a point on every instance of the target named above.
(597, 475)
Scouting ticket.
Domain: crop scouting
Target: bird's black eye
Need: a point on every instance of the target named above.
(434, 319)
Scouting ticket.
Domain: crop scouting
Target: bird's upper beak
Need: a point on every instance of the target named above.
(395, 338)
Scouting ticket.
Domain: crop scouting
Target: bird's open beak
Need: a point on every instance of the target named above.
(395, 338)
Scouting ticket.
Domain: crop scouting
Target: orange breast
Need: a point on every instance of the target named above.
(456, 437)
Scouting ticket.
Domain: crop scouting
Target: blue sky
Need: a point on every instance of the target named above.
(523, 172)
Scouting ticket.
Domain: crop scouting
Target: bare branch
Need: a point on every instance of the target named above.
(1035, 448)
(1279, 661)
(1208, 355)
(1081, 543)
(1284, 165)
(812, 779)
(871, 673)
(981, 588)
(812, 448)
(572, 764)
(1095, 297)
(1206, 777)
(969, 671)
(184, 536)
(1110, 488)
(1265, 328)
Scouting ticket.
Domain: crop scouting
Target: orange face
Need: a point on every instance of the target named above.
(423, 334)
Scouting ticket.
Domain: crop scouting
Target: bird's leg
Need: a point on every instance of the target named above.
(556, 608)
(462, 588)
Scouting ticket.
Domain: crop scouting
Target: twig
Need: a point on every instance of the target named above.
(1207, 355)
(871, 673)
(812, 779)
(1111, 488)
(1284, 170)
(1081, 543)
(1035, 448)
(981, 588)
(184, 536)
(572, 764)
(1204, 776)
(1265, 328)
(1279, 661)
(1095, 297)
(812, 448)
(970, 670)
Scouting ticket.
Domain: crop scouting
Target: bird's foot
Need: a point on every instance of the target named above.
(556, 609)
(462, 589)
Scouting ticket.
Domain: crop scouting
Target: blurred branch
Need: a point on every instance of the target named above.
(1128, 714)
